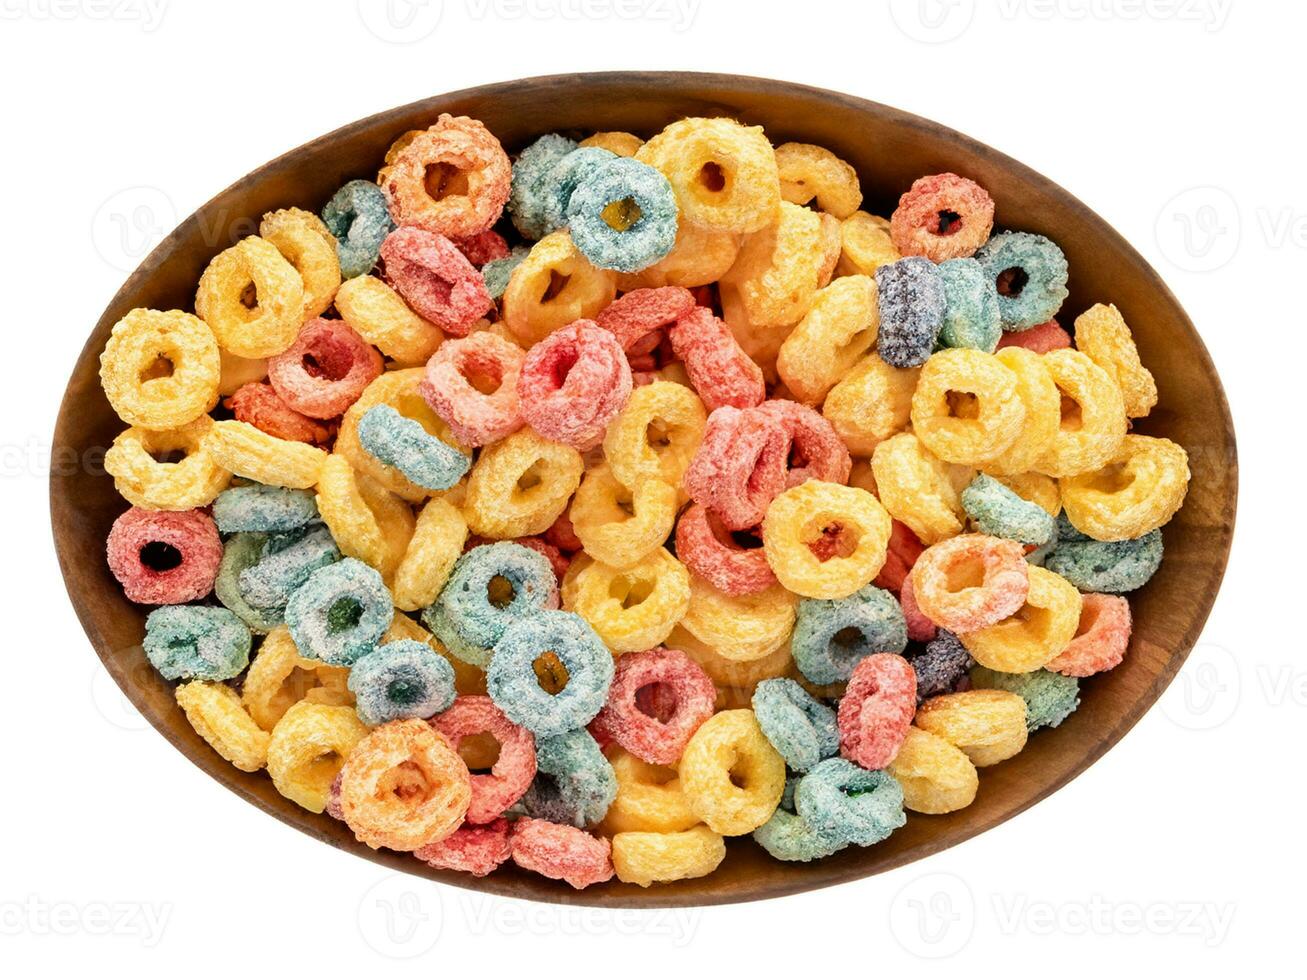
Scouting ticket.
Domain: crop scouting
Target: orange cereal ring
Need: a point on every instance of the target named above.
(252, 298)
(1101, 640)
(325, 370)
(965, 409)
(160, 370)
(970, 582)
(811, 172)
(471, 383)
(942, 216)
(553, 286)
(805, 514)
(618, 143)
(1138, 490)
(193, 481)
(259, 404)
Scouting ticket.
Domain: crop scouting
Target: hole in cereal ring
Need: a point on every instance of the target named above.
(550, 673)
(621, 215)
(445, 180)
(344, 614)
(629, 593)
(962, 404)
(530, 477)
(739, 776)
(712, 177)
(748, 539)
(500, 592)
(948, 222)
(657, 701)
(966, 573)
(160, 367)
(1011, 281)
(250, 296)
(557, 283)
(405, 781)
(159, 556)
(658, 434)
(168, 455)
(1072, 417)
(659, 775)
(403, 690)
(323, 768)
(832, 540)
(561, 367)
(850, 638)
(486, 380)
(1112, 478)
(480, 751)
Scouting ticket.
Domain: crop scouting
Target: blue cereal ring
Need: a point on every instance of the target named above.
(527, 195)
(357, 215)
(844, 802)
(802, 729)
(563, 179)
(1050, 698)
(497, 272)
(940, 667)
(574, 783)
(243, 551)
(787, 837)
(832, 635)
(1001, 513)
(262, 508)
(971, 317)
(512, 683)
(196, 642)
(404, 679)
(285, 565)
(640, 191)
(401, 442)
(1106, 566)
(340, 613)
(912, 301)
(1029, 273)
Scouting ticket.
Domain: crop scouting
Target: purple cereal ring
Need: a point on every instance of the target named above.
(325, 370)
(573, 383)
(435, 279)
(164, 558)
(475, 417)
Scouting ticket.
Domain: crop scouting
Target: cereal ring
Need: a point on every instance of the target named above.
(368, 522)
(1101, 640)
(252, 298)
(708, 549)
(255, 455)
(164, 557)
(359, 219)
(876, 710)
(787, 837)
(196, 643)
(243, 551)
(435, 279)
(814, 450)
(340, 612)
(719, 369)
(644, 858)
(871, 403)
(911, 298)
(642, 316)
(782, 265)
(865, 245)
(656, 434)
(402, 786)
(917, 489)
(404, 679)
(512, 771)
(1093, 420)
(1138, 490)
(499, 272)
(966, 408)
(617, 526)
(1030, 274)
(731, 776)
(1102, 335)
(970, 307)
(455, 387)
(564, 177)
(325, 370)
(284, 565)
(989, 726)
(799, 727)
(279, 678)
(810, 173)
(843, 802)
(215, 712)
(260, 405)
(259, 508)
(303, 240)
(698, 257)
(739, 467)
(436, 544)
(379, 315)
(503, 502)
(942, 666)
(236, 372)
(467, 678)
(839, 328)
(740, 628)
(648, 799)
(1039, 339)
(573, 383)
(1036, 633)
(529, 187)
(574, 783)
(1000, 512)
(1050, 698)
(1037, 392)
(562, 535)
(403, 443)
(936, 776)
(1107, 566)
(942, 216)
(831, 636)
(307, 748)
(553, 286)
(904, 550)
(160, 370)
(475, 850)
(562, 852)
(634, 608)
(688, 698)
(970, 582)
(853, 519)
(619, 143)
(623, 215)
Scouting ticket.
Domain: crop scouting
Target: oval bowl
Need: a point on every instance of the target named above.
(889, 148)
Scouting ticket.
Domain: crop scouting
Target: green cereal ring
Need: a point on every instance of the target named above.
(574, 782)
(243, 551)
(403, 679)
(970, 306)
(802, 729)
(788, 837)
(1104, 566)
(842, 801)
(359, 218)
(1050, 698)
(999, 512)
(262, 508)
(527, 197)
(497, 272)
(196, 643)
(286, 563)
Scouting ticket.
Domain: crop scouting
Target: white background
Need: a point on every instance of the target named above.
(1181, 850)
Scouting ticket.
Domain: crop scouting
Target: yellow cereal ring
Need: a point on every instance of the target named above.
(139, 476)
(214, 711)
(520, 485)
(762, 343)
(865, 245)
(255, 455)
(280, 678)
(724, 174)
(698, 257)
(307, 749)
(966, 408)
(802, 515)
(989, 726)
(368, 521)
(620, 527)
(861, 476)
(236, 372)
(918, 489)
(649, 797)
(635, 608)
(1139, 489)
(642, 858)
(735, 679)
(467, 678)
(740, 629)
(838, 330)
(252, 298)
(781, 266)
(304, 242)
(1043, 405)
(656, 434)
(1036, 633)
(553, 286)
(1037, 488)
(872, 402)
(160, 369)
(1102, 335)
(436, 544)
(381, 317)
(936, 776)
(1093, 420)
(809, 172)
(731, 775)
(622, 144)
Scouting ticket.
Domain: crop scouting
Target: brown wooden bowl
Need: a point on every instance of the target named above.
(889, 148)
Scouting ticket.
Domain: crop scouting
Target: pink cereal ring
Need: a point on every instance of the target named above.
(559, 851)
(259, 404)
(456, 375)
(325, 370)
(562, 535)
(482, 248)
(573, 383)
(435, 279)
(476, 849)
(877, 709)
(1101, 638)
(815, 451)
(721, 372)
(1041, 338)
(658, 699)
(920, 629)
(739, 467)
(163, 558)
(708, 549)
(904, 550)
(496, 791)
(633, 316)
(969, 582)
(942, 216)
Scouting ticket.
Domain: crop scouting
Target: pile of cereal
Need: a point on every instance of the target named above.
(715, 507)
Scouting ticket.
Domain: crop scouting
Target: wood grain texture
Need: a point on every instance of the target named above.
(889, 149)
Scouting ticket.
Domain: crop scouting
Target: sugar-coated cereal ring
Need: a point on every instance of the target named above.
(325, 370)
(403, 786)
(621, 527)
(380, 316)
(870, 403)
(529, 188)
(302, 238)
(687, 696)
(1036, 633)
(495, 791)
(698, 257)
(236, 372)
(477, 850)
(279, 678)
(1037, 392)
(1039, 339)
(648, 799)
(1107, 566)
(844, 802)
(359, 219)
(573, 383)
(970, 307)
(719, 369)
(574, 783)
(857, 523)
(196, 643)
(255, 455)
(164, 557)
(1101, 640)
(285, 564)
(740, 628)
(498, 505)
(1093, 420)
(307, 748)
(560, 851)
(966, 409)
(865, 245)
(633, 608)
(740, 466)
(1030, 273)
(799, 727)
(452, 179)
(215, 712)
(620, 143)
(160, 370)
(724, 174)
(1102, 335)
(243, 551)
(814, 450)
(936, 776)
(1003, 513)
(623, 215)
(942, 667)
(1036, 488)
(340, 613)
(455, 381)
(918, 489)
(1138, 490)
(368, 522)
(788, 837)
(831, 636)
(920, 628)
(643, 316)
(989, 726)
(643, 858)
(139, 476)
(394, 440)
(499, 272)
(1050, 698)
(255, 507)
(435, 279)
(484, 247)
(837, 331)
(436, 544)
(656, 434)
(911, 298)
(811, 172)
(904, 550)
(252, 298)
(731, 776)
(553, 286)
(942, 216)
(404, 679)
(782, 265)
(259, 404)
(876, 710)
(467, 678)
(970, 582)
(707, 548)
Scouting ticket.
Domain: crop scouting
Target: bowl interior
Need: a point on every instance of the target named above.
(889, 149)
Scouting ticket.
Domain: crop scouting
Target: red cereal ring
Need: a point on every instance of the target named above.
(1041, 338)
(162, 558)
(877, 709)
(560, 851)
(1101, 638)
(259, 404)
(920, 629)
(708, 549)
(942, 216)
(739, 467)
(658, 699)
(573, 383)
(325, 370)
(482, 248)
(904, 550)
(815, 450)
(472, 385)
(719, 369)
(633, 316)
(435, 279)
(969, 582)
(562, 535)
(495, 791)
(476, 849)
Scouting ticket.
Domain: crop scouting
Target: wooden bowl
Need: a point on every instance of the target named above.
(889, 149)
